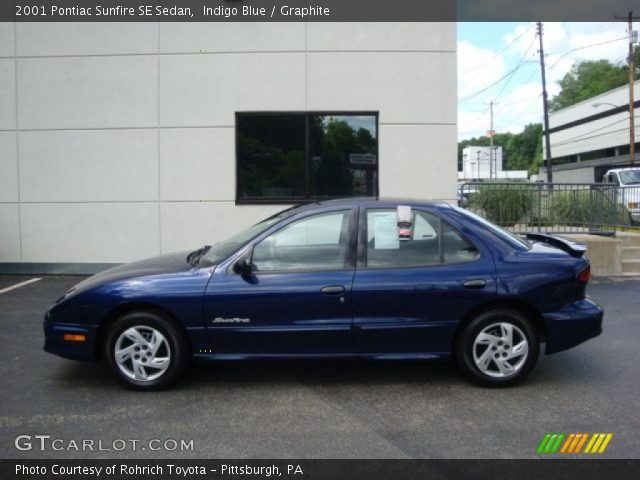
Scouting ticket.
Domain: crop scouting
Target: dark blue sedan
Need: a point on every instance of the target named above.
(338, 279)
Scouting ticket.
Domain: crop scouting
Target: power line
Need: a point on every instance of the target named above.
(512, 72)
(588, 140)
(586, 46)
(479, 119)
(512, 42)
(508, 76)
(585, 134)
(520, 64)
(509, 73)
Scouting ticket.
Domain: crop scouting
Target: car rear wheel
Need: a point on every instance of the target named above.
(146, 351)
(498, 348)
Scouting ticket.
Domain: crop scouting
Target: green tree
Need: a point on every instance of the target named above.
(590, 78)
(499, 140)
(521, 151)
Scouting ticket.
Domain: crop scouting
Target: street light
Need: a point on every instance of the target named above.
(599, 104)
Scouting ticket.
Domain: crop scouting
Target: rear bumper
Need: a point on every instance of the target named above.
(54, 340)
(574, 324)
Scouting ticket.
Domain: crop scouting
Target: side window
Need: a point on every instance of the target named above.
(431, 242)
(317, 242)
(385, 248)
(614, 178)
(457, 249)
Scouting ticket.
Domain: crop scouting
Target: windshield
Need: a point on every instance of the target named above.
(514, 240)
(222, 250)
(630, 177)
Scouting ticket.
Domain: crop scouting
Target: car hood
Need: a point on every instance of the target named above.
(160, 265)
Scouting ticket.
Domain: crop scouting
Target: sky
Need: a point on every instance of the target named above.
(506, 54)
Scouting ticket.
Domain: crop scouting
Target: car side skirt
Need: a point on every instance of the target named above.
(320, 356)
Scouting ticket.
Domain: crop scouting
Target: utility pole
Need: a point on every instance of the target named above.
(491, 134)
(545, 102)
(632, 123)
(631, 62)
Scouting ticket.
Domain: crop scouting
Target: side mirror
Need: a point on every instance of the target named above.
(243, 266)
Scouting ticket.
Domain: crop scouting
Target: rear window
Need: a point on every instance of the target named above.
(515, 241)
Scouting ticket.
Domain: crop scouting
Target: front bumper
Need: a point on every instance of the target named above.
(572, 325)
(55, 343)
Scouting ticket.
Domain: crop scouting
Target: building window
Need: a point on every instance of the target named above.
(296, 157)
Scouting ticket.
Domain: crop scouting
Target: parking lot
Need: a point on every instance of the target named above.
(320, 409)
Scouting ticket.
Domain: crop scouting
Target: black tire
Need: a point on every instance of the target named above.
(465, 344)
(178, 348)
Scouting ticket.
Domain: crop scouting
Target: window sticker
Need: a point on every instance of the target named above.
(386, 231)
(404, 222)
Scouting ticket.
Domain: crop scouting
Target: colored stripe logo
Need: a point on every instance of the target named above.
(574, 443)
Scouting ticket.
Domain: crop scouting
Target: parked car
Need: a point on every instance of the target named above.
(337, 279)
(465, 192)
(628, 179)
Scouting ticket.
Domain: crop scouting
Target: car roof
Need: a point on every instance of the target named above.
(360, 201)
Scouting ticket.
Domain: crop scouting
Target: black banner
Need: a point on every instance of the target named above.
(318, 469)
(311, 10)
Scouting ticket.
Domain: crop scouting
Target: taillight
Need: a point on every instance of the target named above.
(585, 274)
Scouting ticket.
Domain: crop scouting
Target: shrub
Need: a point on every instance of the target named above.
(503, 204)
(587, 208)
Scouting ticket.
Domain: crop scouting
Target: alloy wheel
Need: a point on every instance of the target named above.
(142, 353)
(500, 350)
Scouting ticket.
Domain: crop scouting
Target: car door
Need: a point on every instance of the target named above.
(297, 299)
(409, 293)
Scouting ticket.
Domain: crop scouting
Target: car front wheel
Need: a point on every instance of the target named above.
(497, 348)
(146, 351)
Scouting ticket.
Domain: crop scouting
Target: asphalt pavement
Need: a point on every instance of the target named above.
(315, 409)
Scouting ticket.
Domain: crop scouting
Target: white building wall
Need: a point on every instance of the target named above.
(117, 140)
(599, 134)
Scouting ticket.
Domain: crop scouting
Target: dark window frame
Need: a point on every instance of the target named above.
(308, 198)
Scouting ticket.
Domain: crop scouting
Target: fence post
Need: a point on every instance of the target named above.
(539, 209)
(591, 209)
(614, 210)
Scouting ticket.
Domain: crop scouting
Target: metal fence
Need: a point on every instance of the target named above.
(598, 208)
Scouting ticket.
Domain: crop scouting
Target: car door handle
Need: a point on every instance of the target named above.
(475, 283)
(333, 290)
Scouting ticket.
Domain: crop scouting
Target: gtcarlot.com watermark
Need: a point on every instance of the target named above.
(47, 443)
